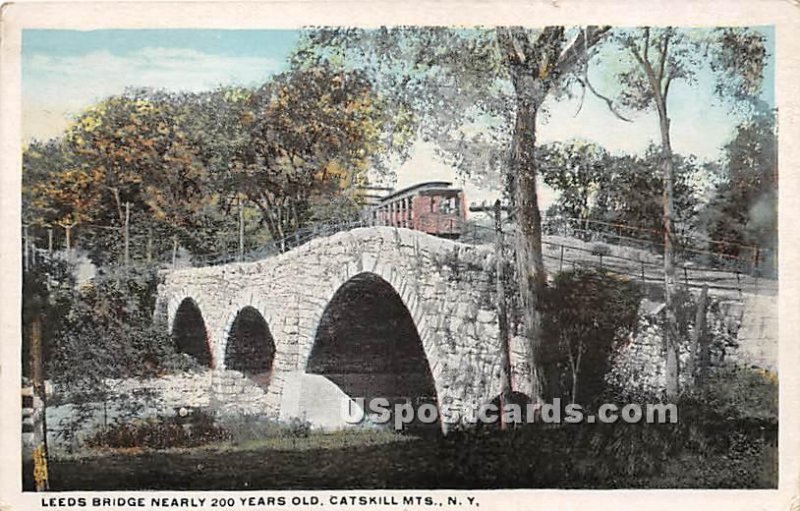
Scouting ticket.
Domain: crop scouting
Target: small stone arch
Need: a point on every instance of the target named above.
(189, 332)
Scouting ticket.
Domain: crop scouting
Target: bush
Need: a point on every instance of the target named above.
(737, 393)
(109, 332)
(600, 249)
(161, 433)
(586, 313)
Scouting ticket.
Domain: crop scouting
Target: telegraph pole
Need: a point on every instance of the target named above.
(506, 386)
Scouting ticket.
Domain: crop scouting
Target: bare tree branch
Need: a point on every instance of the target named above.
(577, 50)
(610, 104)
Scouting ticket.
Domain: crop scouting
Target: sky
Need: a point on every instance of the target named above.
(65, 71)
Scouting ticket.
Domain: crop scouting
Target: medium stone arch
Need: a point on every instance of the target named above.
(249, 345)
(247, 298)
(367, 341)
(189, 332)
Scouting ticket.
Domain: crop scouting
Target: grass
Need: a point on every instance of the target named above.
(531, 457)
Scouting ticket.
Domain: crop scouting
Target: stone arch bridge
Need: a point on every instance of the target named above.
(374, 312)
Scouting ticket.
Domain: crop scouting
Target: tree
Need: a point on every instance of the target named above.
(576, 169)
(129, 148)
(743, 208)
(305, 138)
(631, 194)
(476, 88)
(660, 57)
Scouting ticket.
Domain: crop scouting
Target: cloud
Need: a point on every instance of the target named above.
(55, 88)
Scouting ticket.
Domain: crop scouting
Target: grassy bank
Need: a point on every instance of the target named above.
(585, 456)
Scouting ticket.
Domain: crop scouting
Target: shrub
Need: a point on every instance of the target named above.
(161, 433)
(586, 313)
(109, 332)
(600, 249)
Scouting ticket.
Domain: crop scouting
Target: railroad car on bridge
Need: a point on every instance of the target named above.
(433, 207)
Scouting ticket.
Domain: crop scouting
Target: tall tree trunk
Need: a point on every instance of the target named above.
(671, 335)
(528, 245)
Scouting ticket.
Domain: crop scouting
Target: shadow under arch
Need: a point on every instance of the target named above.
(367, 344)
(250, 347)
(189, 332)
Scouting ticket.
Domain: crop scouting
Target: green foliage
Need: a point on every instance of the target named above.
(586, 314)
(600, 249)
(744, 206)
(161, 433)
(289, 153)
(109, 332)
(737, 393)
(577, 170)
(631, 193)
(46, 294)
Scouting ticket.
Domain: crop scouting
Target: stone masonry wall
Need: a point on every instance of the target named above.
(742, 332)
(446, 286)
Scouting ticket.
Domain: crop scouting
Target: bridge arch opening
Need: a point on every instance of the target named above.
(250, 348)
(368, 345)
(189, 332)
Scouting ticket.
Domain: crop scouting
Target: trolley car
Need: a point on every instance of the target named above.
(434, 207)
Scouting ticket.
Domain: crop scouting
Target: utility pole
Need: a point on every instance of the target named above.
(502, 312)
(127, 232)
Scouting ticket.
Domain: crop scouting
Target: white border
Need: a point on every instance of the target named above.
(783, 14)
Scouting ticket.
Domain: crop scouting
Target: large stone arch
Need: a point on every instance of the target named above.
(188, 330)
(406, 298)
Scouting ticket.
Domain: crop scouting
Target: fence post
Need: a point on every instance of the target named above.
(40, 472)
(174, 249)
(50, 242)
(68, 231)
(643, 279)
(755, 260)
(561, 259)
(241, 232)
(738, 281)
(127, 233)
(698, 359)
